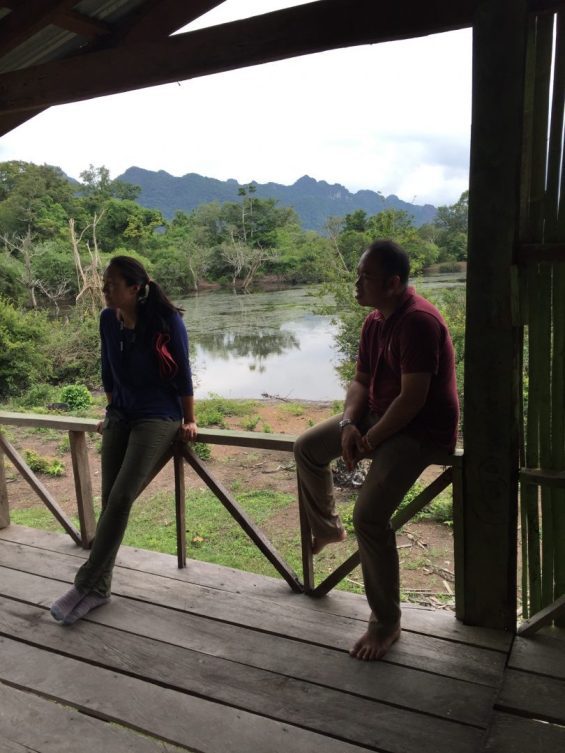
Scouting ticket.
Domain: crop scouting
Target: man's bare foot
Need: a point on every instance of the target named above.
(374, 644)
(319, 543)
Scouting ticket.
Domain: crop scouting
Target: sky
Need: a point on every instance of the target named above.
(391, 117)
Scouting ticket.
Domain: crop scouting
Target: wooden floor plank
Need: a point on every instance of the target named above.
(536, 696)
(514, 734)
(30, 724)
(164, 711)
(175, 717)
(418, 651)
(430, 622)
(543, 653)
(401, 686)
(352, 718)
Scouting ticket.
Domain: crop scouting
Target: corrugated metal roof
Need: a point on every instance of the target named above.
(48, 44)
(107, 10)
(53, 42)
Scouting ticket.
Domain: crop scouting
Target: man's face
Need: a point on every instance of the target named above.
(371, 287)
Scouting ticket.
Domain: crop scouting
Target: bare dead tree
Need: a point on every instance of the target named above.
(333, 228)
(89, 275)
(234, 254)
(23, 247)
(254, 259)
(54, 293)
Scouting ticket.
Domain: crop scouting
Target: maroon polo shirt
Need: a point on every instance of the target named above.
(413, 339)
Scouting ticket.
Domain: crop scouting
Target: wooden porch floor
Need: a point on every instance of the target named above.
(214, 660)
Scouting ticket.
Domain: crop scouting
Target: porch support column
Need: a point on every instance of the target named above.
(492, 349)
(4, 506)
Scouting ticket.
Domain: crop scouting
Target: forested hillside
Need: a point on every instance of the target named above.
(312, 200)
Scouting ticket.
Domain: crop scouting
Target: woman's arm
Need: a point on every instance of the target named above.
(188, 429)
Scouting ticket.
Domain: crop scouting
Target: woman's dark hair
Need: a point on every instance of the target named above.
(392, 259)
(153, 305)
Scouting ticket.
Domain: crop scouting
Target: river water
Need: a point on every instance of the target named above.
(247, 345)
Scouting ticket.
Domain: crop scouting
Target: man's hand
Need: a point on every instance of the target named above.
(351, 446)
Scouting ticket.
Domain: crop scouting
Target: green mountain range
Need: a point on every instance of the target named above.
(313, 200)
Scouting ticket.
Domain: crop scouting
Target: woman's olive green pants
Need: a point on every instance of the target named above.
(131, 450)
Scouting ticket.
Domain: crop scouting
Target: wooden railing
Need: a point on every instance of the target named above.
(180, 453)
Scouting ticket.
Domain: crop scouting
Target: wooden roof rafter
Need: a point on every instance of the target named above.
(135, 50)
(314, 27)
(149, 20)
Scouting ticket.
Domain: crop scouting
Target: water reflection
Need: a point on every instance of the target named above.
(257, 345)
(262, 342)
(268, 342)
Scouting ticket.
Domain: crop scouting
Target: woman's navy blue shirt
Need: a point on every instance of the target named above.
(130, 369)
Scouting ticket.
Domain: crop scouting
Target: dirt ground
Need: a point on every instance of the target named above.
(425, 548)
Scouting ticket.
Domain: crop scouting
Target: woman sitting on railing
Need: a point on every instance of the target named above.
(148, 385)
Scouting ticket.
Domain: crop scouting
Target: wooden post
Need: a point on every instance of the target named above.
(4, 506)
(180, 515)
(306, 545)
(83, 487)
(458, 541)
(491, 434)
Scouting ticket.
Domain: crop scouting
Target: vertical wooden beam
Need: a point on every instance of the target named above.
(555, 231)
(306, 546)
(458, 541)
(180, 514)
(83, 487)
(491, 436)
(4, 506)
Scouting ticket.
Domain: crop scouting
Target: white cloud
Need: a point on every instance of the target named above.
(393, 117)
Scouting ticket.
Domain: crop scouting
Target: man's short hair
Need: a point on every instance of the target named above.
(392, 258)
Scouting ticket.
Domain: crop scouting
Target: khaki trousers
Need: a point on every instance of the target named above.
(395, 466)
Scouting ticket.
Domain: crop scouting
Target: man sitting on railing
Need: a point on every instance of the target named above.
(400, 409)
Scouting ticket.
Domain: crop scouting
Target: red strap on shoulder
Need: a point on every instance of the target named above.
(168, 367)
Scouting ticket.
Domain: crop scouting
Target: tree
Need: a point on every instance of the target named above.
(234, 254)
(123, 222)
(98, 188)
(37, 198)
(23, 360)
(24, 249)
(89, 275)
(451, 222)
(356, 221)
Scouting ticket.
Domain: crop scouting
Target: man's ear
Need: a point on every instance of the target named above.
(394, 284)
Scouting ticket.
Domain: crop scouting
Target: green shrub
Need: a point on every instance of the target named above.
(213, 411)
(337, 407)
(41, 464)
(450, 266)
(295, 409)
(38, 396)
(250, 423)
(209, 416)
(76, 396)
(24, 359)
(439, 509)
(203, 450)
(74, 349)
(64, 445)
